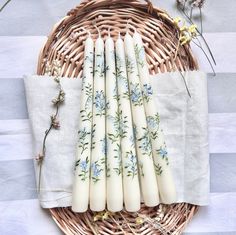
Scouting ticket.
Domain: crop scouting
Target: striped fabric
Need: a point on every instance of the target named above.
(23, 28)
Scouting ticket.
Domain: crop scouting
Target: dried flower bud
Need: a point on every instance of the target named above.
(185, 39)
(181, 2)
(39, 158)
(139, 220)
(56, 79)
(198, 3)
(193, 30)
(48, 68)
(55, 122)
(62, 95)
(55, 101)
(176, 21)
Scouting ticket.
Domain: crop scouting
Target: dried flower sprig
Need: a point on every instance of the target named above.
(182, 5)
(103, 215)
(186, 33)
(189, 34)
(55, 69)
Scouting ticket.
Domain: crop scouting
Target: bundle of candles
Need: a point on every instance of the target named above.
(122, 158)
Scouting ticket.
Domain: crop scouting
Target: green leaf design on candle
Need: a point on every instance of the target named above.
(87, 115)
(108, 170)
(158, 169)
(121, 79)
(129, 66)
(120, 124)
(83, 142)
(141, 169)
(118, 169)
(92, 135)
(89, 57)
(100, 68)
(145, 142)
(131, 167)
(84, 168)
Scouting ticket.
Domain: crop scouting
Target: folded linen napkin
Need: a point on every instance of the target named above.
(58, 165)
(184, 121)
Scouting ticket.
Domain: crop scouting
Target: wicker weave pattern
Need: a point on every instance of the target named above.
(160, 35)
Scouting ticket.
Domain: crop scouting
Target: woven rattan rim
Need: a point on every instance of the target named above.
(160, 35)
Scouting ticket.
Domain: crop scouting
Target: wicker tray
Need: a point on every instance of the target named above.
(160, 35)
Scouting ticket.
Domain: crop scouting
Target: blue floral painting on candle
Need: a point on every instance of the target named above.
(147, 92)
(96, 171)
(121, 78)
(100, 103)
(83, 170)
(145, 143)
(131, 166)
(103, 146)
(153, 125)
(163, 153)
(136, 94)
(140, 55)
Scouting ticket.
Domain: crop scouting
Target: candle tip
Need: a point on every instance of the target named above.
(109, 32)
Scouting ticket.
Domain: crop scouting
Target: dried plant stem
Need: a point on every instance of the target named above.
(208, 59)
(46, 135)
(4, 5)
(203, 38)
(184, 5)
(191, 13)
(200, 10)
(185, 83)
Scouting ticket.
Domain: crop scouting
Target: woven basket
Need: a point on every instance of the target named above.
(161, 36)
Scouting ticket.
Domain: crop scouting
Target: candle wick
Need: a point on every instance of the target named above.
(127, 26)
(119, 35)
(99, 33)
(109, 32)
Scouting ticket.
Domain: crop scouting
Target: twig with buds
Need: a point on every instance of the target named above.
(55, 69)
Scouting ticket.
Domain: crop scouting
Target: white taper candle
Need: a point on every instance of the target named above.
(163, 171)
(80, 193)
(128, 152)
(98, 167)
(113, 163)
(147, 174)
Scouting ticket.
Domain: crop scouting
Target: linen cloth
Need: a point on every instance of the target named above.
(58, 164)
(184, 120)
